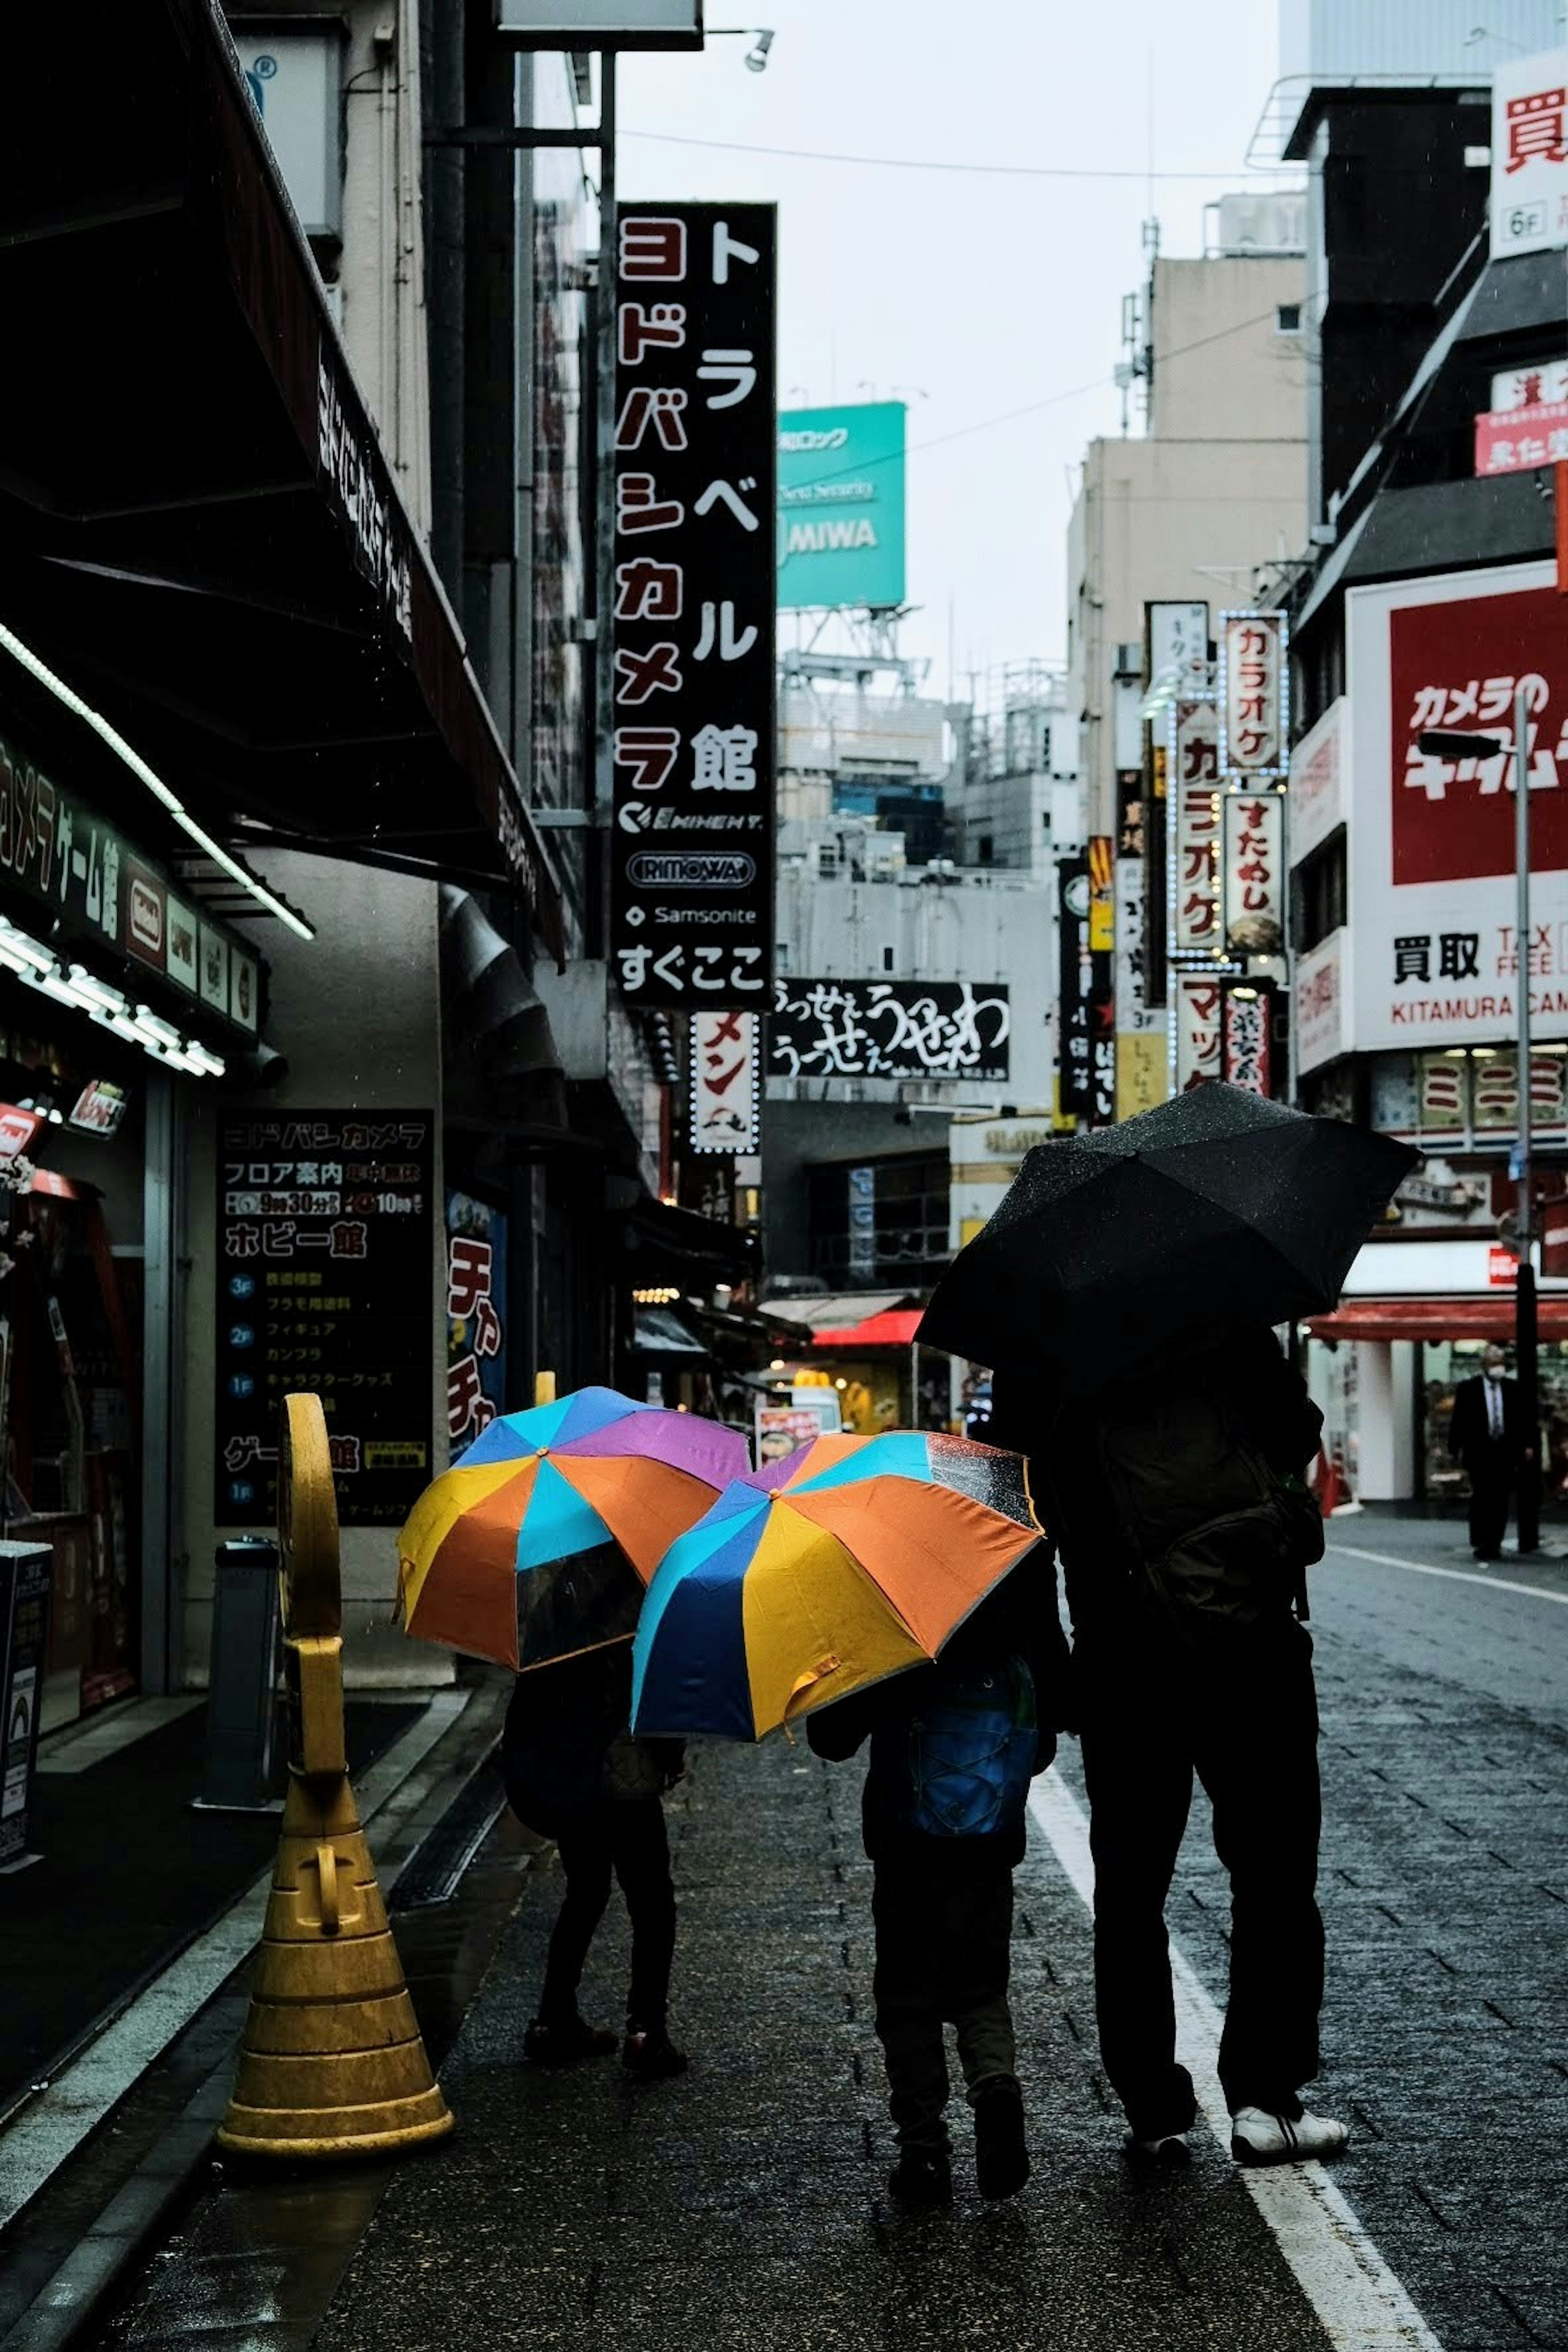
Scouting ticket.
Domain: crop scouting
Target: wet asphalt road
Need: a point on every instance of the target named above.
(746, 2206)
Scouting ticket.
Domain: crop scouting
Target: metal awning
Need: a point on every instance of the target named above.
(832, 1312)
(199, 528)
(657, 1332)
(1436, 1318)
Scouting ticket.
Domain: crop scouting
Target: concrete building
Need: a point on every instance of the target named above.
(1215, 488)
(1015, 800)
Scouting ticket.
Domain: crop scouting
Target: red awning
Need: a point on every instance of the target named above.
(1435, 1319)
(894, 1328)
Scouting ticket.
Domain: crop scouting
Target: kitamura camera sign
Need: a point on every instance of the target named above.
(1433, 941)
(691, 875)
(841, 507)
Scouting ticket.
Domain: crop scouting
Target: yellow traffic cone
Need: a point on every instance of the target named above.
(332, 2062)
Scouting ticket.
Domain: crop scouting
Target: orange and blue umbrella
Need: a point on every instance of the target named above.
(539, 1543)
(852, 1559)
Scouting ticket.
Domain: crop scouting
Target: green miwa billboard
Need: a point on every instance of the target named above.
(841, 506)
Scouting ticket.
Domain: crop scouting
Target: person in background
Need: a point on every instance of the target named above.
(1485, 1435)
(575, 1772)
(1184, 1532)
(953, 1748)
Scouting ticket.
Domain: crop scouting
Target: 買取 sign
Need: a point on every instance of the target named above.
(841, 506)
(1529, 154)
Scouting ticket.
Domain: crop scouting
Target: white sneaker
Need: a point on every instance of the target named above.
(1259, 2138)
(1171, 2147)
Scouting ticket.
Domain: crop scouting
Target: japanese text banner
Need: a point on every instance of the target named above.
(691, 864)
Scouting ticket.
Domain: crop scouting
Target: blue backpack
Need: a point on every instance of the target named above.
(962, 1767)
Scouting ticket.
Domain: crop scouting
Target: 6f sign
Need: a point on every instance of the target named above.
(692, 842)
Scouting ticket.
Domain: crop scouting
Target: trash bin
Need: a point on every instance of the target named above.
(242, 1695)
(26, 1575)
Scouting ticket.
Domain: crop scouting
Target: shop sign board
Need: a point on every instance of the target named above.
(1517, 440)
(1529, 154)
(325, 1243)
(726, 1082)
(862, 1184)
(1197, 1001)
(1102, 1000)
(601, 24)
(26, 1575)
(1254, 695)
(782, 1429)
(841, 507)
(18, 1129)
(888, 1029)
(1247, 1053)
(100, 1107)
(1178, 651)
(98, 887)
(476, 1318)
(1254, 837)
(1318, 799)
(1074, 1058)
(1431, 852)
(692, 884)
(1320, 1027)
(1531, 386)
(1194, 827)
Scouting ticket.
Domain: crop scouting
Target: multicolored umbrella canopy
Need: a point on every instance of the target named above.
(853, 1558)
(540, 1542)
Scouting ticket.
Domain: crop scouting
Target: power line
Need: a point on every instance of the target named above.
(1033, 407)
(927, 162)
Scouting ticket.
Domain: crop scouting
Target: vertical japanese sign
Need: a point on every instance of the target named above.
(1196, 1001)
(862, 1223)
(1192, 771)
(1253, 873)
(692, 844)
(26, 1580)
(1247, 1046)
(1075, 978)
(476, 1318)
(1254, 695)
(325, 1235)
(1529, 154)
(1178, 647)
(1101, 980)
(726, 1082)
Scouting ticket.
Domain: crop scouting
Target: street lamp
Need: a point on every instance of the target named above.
(1444, 742)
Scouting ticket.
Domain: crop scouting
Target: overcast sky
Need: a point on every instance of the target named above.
(987, 293)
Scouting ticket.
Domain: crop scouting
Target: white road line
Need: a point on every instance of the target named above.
(87, 1744)
(55, 2123)
(1456, 1575)
(1360, 2303)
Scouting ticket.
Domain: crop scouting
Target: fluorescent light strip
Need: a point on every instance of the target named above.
(155, 785)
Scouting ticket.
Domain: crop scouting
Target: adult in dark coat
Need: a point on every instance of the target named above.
(1232, 1704)
(1486, 1434)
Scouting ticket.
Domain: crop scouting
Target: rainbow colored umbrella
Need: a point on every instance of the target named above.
(539, 1544)
(855, 1558)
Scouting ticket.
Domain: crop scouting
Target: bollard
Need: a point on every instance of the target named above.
(242, 1679)
(332, 2062)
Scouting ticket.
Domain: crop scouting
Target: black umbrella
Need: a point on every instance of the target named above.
(1128, 1244)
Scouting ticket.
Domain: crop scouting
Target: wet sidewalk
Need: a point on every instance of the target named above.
(129, 1874)
(745, 2205)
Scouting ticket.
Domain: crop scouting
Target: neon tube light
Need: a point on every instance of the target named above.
(155, 785)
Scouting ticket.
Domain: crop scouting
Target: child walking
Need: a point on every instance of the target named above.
(953, 1748)
(575, 1772)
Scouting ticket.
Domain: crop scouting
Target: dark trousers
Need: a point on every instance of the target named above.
(1490, 1484)
(1242, 1717)
(943, 1951)
(628, 1840)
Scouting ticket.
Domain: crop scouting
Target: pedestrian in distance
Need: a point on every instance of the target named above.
(575, 1772)
(1486, 1436)
(1184, 1532)
(953, 1747)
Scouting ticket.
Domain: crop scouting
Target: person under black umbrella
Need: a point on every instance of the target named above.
(1167, 1436)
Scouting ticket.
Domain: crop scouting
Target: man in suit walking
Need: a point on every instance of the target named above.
(1485, 1434)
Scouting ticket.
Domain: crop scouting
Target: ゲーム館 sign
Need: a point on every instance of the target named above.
(841, 506)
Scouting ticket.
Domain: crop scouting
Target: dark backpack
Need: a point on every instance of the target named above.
(961, 1768)
(1217, 1536)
